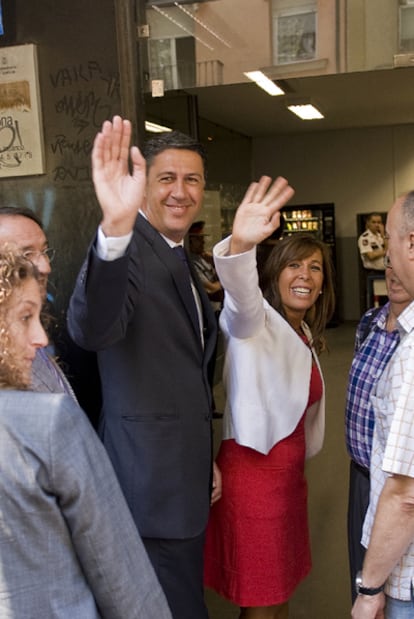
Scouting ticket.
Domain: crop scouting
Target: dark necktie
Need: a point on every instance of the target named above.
(191, 305)
(179, 250)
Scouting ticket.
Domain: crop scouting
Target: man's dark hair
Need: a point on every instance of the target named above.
(172, 139)
(21, 211)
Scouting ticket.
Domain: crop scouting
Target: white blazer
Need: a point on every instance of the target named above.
(267, 366)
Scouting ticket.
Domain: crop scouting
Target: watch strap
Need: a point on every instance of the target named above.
(361, 590)
(370, 590)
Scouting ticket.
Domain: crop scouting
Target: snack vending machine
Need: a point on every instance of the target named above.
(317, 219)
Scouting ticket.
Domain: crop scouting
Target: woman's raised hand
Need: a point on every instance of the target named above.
(258, 216)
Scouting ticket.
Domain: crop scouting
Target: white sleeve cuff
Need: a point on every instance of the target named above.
(111, 247)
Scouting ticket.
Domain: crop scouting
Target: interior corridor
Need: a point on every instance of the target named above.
(325, 594)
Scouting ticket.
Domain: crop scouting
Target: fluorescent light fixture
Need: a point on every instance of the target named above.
(155, 128)
(264, 82)
(306, 111)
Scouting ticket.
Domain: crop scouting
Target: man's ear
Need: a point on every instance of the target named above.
(411, 246)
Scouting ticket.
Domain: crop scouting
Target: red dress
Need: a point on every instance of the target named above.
(257, 544)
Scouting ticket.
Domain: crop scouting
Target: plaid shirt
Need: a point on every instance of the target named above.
(372, 354)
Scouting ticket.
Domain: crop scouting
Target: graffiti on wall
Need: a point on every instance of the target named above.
(84, 96)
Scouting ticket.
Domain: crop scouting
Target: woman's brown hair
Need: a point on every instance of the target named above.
(298, 247)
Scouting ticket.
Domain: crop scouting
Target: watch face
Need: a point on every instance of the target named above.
(358, 581)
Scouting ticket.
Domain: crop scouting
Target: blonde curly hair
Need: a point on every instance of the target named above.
(14, 270)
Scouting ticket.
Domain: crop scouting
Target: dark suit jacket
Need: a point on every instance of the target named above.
(156, 416)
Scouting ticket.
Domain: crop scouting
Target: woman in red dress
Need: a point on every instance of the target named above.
(257, 545)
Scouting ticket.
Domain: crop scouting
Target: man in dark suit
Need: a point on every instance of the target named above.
(155, 333)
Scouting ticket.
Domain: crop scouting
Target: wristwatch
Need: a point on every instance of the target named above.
(361, 590)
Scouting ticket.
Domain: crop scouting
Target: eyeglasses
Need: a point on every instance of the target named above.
(387, 262)
(47, 253)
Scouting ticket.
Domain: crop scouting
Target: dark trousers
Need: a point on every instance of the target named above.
(178, 564)
(358, 501)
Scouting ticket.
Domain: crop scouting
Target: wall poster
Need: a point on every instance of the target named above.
(21, 130)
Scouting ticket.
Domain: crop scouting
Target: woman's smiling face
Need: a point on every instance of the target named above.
(300, 284)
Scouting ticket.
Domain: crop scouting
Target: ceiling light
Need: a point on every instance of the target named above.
(155, 128)
(264, 82)
(306, 111)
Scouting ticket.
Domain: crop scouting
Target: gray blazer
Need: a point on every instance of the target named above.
(156, 417)
(68, 546)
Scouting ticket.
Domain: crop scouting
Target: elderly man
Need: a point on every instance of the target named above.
(387, 577)
(377, 339)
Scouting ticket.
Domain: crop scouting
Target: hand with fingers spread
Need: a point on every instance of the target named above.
(258, 216)
(120, 193)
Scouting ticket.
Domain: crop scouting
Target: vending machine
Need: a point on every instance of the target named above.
(317, 219)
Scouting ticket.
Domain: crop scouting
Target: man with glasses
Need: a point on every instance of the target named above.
(20, 227)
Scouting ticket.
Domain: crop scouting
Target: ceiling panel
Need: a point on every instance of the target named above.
(375, 98)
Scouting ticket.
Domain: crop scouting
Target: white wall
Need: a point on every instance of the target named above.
(360, 170)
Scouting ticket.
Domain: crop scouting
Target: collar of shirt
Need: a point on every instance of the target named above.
(406, 319)
(380, 320)
(166, 239)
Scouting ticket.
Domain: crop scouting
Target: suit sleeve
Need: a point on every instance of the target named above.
(103, 533)
(101, 303)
